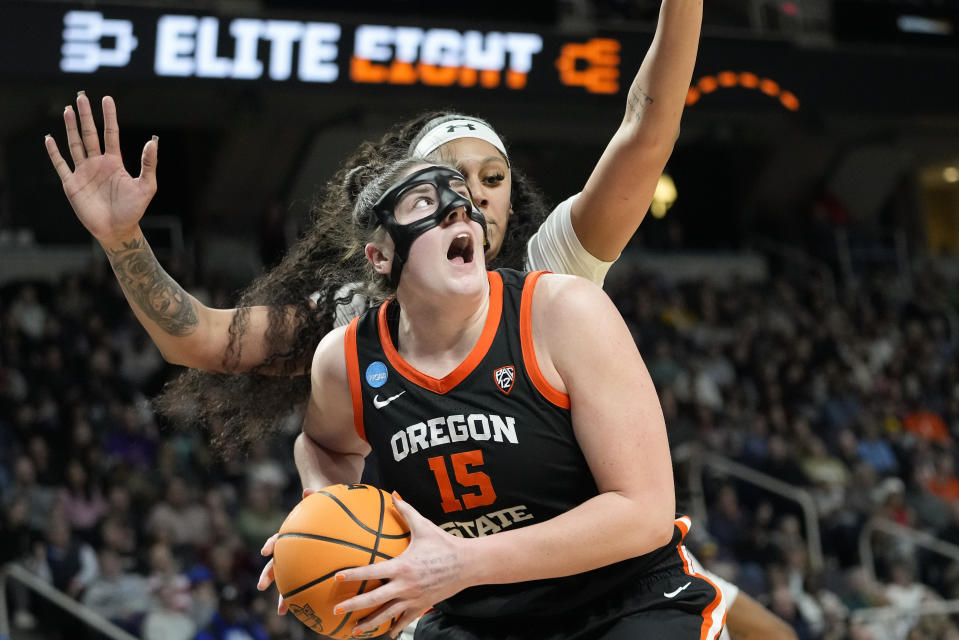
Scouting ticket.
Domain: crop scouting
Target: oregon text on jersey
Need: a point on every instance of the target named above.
(455, 428)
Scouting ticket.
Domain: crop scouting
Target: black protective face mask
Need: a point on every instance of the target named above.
(448, 199)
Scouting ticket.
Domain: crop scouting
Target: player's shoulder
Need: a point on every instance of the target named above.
(560, 290)
(330, 356)
(563, 304)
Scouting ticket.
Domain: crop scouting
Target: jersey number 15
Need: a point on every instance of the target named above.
(462, 464)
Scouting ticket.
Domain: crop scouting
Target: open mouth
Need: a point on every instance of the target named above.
(461, 249)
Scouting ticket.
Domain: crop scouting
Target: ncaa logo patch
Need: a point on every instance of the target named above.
(504, 377)
(376, 374)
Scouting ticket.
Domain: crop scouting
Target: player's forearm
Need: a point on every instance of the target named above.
(319, 467)
(746, 619)
(608, 528)
(176, 321)
(619, 191)
(657, 94)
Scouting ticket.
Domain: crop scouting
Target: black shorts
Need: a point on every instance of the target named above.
(675, 604)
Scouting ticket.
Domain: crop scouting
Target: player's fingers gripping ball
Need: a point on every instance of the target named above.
(336, 528)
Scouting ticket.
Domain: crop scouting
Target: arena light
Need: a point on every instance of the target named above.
(789, 8)
(922, 24)
(745, 79)
(664, 196)
(950, 174)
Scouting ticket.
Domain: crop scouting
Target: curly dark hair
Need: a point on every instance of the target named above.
(314, 284)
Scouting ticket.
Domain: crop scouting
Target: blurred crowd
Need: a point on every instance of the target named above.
(138, 520)
(853, 396)
(850, 395)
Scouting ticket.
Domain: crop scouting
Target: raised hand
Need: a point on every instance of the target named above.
(107, 200)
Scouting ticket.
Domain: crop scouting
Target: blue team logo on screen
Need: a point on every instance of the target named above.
(376, 374)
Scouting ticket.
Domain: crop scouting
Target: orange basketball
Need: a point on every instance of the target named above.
(338, 527)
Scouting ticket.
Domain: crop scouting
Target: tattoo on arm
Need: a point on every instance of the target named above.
(636, 102)
(152, 289)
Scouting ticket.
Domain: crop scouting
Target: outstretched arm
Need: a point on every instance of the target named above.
(110, 203)
(620, 189)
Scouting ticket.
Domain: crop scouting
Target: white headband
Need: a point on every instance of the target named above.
(453, 130)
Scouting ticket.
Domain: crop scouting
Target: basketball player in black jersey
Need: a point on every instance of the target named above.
(518, 422)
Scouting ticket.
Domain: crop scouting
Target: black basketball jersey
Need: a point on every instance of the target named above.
(487, 448)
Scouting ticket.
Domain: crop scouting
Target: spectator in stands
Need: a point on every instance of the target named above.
(204, 599)
(835, 613)
(755, 443)
(231, 563)
(16, 536)
(167, 619)
(131, 439)
(950, 534)
(39, 499)
(118, 595)
(875, 449)
(232, 621)
(19, 543)
(827, 476)
(139, 360)
(47, 470)
(726, 519)
(783, 605)
(664, 367)
(117, 535)
(70, 564)
(28, 314)
(165, 574)
(71, 302)
(890, 500)
(927, 425)
(782, 461)
(85, 446)
(261, 516)
(221, 520)
(82, 500)
(182, 519)
(906, 594)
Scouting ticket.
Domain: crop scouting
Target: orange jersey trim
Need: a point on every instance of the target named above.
(683, 523)
(353, 374)
(536, 376)
(457, 375)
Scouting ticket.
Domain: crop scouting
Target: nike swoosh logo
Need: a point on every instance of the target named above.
(673, 594)
(379, 404)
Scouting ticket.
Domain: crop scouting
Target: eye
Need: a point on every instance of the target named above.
(460, 187)
(493, 179)
(423, 201)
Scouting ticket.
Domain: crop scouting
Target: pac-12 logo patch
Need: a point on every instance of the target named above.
(504, 377)
(376, 374)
